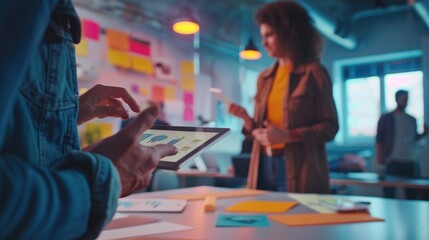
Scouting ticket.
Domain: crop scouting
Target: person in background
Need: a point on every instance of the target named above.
(295, 113)
(49, 188)
(395, 144)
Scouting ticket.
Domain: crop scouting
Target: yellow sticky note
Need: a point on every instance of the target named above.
(144, 91)
(142, 64)
(170, 92)
(261, 206)
(187, 67)
(323, 218)
(117, 40)
(188, 83)
(81, 49)
(119, 58)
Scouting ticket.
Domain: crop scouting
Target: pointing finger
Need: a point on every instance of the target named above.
(143, 121)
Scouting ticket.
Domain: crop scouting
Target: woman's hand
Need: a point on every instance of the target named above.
(272, 135)
(240, 112)
(102, 101)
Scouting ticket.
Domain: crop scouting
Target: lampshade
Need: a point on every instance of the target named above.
(250, 52)
(186, 23)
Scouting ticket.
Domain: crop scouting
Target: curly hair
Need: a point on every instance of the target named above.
(294, 26)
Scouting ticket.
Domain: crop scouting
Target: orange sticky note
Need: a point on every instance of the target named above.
(262, 206)
(158, 93)
(323, 218)
(223, 194)
(117, 40)
(119, 58)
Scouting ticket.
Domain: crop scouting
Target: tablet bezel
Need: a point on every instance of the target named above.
(221, 132)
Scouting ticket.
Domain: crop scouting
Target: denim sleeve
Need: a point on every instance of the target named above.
(22, 25)
(75, 199)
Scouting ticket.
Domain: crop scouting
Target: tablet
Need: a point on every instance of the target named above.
(344, 206)
(189, 141)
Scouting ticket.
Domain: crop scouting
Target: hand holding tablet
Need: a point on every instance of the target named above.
(189, 141)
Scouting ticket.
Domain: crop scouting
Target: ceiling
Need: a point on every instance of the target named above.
(229, 22)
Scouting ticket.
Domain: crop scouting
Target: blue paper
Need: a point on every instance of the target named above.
(235, 220)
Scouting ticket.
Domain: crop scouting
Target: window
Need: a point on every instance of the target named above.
(369, 91)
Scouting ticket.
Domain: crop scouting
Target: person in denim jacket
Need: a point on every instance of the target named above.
(49, 188)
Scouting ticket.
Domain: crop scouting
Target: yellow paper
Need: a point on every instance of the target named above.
(307, 219)
(81, 49)
(187, 67)
(262, 206)
(188, 83)
(170, 92)
(312, 201)
(144, 91)
(119, 58)
(117, 40)
(224, 194)
(142, 64)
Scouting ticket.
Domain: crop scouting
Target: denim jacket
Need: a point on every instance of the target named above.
(48, 188)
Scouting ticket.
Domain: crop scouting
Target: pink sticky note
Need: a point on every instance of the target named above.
(134, 88)
(140, 47)
(91, 29)
(188, 98)
(188, 114)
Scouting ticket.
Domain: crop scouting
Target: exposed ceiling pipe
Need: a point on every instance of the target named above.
(419, 7)
(328, 26)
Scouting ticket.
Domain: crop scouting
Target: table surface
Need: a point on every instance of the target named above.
(404, 219)
(371, 179)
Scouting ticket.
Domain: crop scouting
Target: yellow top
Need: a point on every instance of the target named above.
(275, 99)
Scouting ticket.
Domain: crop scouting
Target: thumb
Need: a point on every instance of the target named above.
(143, 121)
(164, 150)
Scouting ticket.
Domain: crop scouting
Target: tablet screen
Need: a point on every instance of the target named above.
(189, 141)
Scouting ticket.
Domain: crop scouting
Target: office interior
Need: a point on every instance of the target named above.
(371, 48)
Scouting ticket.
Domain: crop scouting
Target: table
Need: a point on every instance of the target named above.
(371, 179)
(404, 219)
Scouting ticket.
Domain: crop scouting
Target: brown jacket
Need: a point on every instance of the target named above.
(309, 110)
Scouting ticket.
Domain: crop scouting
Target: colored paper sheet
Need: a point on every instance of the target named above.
(188, 98)
(157, 93)
(163, 69)
(312, 201)
(91, 29)
(119, 58)
(223, 194)
(139, 228)
(117, 40)
(187, 67)
(81, 49)
(262, 206)
(144, 91)
(140, 47)
(188, 114)
(170, 92)
(122, 221)
(188, 83)
(232, 220)
(323, 218)
(142, 64)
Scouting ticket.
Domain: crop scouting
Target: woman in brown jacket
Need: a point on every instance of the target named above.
(295, 113)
